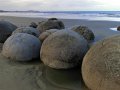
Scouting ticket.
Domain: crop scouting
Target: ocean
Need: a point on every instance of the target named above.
(89, 15)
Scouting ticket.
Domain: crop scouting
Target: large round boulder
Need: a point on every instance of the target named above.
(50, 24)
(45, 34)
(85, 32)
(63, 49)
(28, 30)
(21, 47)
(101, 65)
(6, 29)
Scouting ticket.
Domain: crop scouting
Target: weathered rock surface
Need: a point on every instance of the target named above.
(63, 49)
(28, 30)
(6, 29)
(33, 24)
(50, 24)
(21, 47)
(101, 65)
(85, 32)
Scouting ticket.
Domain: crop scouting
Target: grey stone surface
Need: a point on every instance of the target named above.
(21, 47)
(28, 30)
(6, 29)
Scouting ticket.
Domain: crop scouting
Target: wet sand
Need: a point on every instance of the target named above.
(34, 75)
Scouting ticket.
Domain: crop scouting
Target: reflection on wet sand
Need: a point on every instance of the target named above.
(35, 75)
(65, 79)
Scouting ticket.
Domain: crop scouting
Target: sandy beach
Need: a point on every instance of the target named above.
(34, 75)
(101, 29)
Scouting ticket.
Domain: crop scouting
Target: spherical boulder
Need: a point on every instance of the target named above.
(101, 65)
(50, 24)
(21, 47)
(45, 34)
(85, 32)
(33, 24)
(63, 49)
(6, 29)
(28, 30)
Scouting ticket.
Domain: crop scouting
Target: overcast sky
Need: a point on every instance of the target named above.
(60, 5)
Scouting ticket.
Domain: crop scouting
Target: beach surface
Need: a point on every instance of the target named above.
(36, 76)
(100, 28)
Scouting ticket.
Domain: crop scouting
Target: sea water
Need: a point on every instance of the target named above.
(89, 15)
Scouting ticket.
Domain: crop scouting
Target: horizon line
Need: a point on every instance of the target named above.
(57, 10)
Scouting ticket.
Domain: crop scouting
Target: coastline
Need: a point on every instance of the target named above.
(35, 75)
(100, 28)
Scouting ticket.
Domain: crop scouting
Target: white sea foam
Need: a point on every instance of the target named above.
(114, 29)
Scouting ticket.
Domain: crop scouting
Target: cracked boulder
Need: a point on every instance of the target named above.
(63, 49)
(50, 24)
(85, 32)
(21, 47)
(101, 65)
